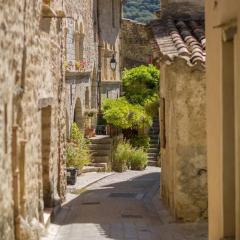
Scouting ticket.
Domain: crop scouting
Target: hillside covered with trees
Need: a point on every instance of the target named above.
(140, 10)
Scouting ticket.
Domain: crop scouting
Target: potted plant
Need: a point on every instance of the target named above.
(77, 154)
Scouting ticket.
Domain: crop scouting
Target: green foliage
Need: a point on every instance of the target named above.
(120, 113)
(140, 141)
(121, 157)
(152, 105)
(138, 159)
(128, 157)
(141, 10)
(77, 150)
(141, 84)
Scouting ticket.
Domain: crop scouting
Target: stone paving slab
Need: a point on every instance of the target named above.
(94, 214)
(83, 181)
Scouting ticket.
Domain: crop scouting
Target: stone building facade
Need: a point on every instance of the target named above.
(136, 48)
(109, 14)
(32, 115)
(180, 49)
(223, 117)
(81, 61)
(92, 39)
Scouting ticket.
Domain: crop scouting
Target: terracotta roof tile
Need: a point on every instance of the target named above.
(181, 36)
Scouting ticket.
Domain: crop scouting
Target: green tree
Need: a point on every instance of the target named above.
(122, 114)
(141, 10)
(140, 84)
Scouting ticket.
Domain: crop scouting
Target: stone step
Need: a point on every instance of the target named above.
(153, 145)
(101, 140)
(154, 141)
(98, 146)
(153, 132)
(155, 136)
(153, 150)
(154, 129)
(100, 152)
(153, 159)
(153, 163)
(100, 159)
(87, 169)
(155, 154)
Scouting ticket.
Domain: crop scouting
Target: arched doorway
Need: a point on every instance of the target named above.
(78, 115)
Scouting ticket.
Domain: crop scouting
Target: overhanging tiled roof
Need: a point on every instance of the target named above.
(181, 35)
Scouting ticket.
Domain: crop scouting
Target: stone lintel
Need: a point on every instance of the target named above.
(45, 102)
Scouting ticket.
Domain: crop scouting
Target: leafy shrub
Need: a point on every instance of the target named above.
(120, 113)
(138, 159)
(140, 141)
(121, 157)
(77, 150)
(152, 106)
(141, 83)
(128, 157)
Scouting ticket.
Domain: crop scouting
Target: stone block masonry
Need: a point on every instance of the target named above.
(31, 111)
(136, 44)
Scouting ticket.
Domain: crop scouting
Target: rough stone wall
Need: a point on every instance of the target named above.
(109, 23)
(184, 170)
(83, 13)
(136, 44)
(31, 80)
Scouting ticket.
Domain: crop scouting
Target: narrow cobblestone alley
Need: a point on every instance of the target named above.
(120, 206)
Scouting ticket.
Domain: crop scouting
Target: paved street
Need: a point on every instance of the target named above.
(122, 206)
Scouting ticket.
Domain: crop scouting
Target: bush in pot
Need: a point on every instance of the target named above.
(77, 151)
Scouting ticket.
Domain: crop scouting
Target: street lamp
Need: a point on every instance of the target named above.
(113, 63)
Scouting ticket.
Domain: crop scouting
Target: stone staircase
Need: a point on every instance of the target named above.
(101, 151)
(153, 151)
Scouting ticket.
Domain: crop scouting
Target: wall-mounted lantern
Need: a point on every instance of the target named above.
(113, 63)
